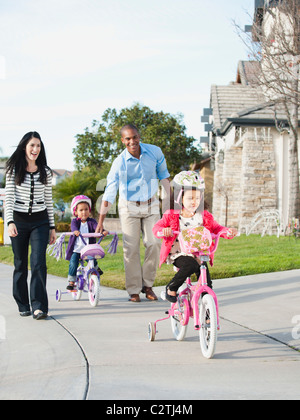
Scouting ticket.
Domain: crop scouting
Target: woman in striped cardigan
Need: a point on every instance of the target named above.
(30, 218)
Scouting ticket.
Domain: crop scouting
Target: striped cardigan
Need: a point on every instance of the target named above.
(30, 197)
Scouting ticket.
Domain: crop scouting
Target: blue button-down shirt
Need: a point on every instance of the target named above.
(136, 179)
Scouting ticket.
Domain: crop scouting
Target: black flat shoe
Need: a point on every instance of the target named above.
(171, 299)
(25, 313)
(40, 315)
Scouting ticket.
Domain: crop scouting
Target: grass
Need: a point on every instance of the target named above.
(241, 256)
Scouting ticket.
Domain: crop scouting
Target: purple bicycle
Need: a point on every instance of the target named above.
(87, 276)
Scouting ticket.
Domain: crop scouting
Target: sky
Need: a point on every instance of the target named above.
(64, 62)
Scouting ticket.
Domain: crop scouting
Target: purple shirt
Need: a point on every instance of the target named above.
(75, 225)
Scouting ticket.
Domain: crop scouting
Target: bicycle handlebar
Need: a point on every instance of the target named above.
(214, 236)
(55, 249)
(91, 235)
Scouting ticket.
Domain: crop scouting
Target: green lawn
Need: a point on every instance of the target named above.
(241, 256)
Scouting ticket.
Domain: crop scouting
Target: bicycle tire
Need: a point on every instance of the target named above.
(79, 282)
(208, 332)
(151, 331)
(58, 295)
(179, 321)
(94, 289)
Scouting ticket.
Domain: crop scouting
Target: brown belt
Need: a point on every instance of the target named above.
(148, 202)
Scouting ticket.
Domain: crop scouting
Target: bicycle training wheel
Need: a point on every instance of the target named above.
(58, 295)
(180, 318)
(208, 330)
(151, 331)
(94, 289)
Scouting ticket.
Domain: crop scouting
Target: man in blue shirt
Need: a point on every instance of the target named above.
(136, 173)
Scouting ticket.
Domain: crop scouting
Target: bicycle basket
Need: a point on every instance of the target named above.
(93, 250)
(195, 240)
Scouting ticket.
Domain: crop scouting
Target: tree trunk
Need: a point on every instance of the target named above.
(294, 181)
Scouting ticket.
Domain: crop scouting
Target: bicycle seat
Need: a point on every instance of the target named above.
(92, 251)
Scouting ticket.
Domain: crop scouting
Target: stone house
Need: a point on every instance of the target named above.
(249, 154)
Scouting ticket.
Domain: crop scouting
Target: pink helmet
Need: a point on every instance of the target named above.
(80, 199)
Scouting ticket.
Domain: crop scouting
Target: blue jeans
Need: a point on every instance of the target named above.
(37, 235)
(73, 265)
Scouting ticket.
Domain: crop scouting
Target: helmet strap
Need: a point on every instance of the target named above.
(179, 197)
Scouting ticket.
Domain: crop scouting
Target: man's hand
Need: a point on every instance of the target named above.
(100, 229)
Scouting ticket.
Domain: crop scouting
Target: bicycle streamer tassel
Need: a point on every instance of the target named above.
(112, 248)
(56, 250)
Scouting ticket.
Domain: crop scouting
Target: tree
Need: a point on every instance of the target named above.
(84, 182)
(103, 143)
(275, 44)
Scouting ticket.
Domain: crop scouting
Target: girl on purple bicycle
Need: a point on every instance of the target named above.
(82, 223)
(189, 197)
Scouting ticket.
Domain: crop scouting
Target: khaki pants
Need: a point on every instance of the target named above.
(136, 219)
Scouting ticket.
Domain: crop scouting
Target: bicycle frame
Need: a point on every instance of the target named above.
(83, 273)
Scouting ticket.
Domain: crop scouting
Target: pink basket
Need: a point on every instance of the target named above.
(94, 251)
(195, 240)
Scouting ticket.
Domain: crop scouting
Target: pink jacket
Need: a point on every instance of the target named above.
(171, 219)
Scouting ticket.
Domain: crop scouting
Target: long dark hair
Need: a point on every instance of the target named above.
(18, 161)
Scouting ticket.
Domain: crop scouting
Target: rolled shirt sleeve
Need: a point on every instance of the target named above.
(112, 185)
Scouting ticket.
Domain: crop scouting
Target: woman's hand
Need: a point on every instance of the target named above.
(52, 238)
(12, 230)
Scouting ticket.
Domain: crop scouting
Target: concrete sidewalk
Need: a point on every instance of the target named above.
(103, 353)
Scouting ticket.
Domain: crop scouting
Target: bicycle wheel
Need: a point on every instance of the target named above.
(180, 318)
(79, 287)
(94, 289)
(208, 330)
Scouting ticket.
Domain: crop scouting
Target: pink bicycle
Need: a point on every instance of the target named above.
(196, 301)
(87, 276)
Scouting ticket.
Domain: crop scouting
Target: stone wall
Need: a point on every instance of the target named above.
(258, 180)
(227, 188)
(246, 180)
(113, 225)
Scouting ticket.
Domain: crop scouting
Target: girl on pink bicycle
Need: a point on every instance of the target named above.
(82, 223)
(189, 197)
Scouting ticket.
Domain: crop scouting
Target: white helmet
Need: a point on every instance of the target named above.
(80, 199)
(189, 179)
